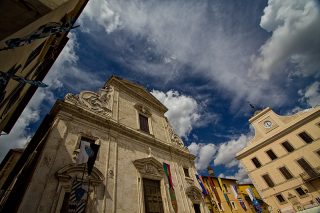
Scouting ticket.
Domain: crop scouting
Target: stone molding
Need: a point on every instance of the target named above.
(142, 109)
(149, 167)
(70, 171)
(67, 110)
(99, 103)
(194, 194)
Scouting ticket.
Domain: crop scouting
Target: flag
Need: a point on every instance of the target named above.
(236, 196)
(166, 168)
(204, 191)
(234, 191)
(85, 152)
(78, 197)
(204, 184)
(94, 148)
(255, 202)
(242, 204)
(220, 185)
(214, 190)
(224, 193)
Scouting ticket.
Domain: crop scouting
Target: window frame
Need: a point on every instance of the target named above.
(233, 204)
(304, 170)
(143, 111)
(266, 174)
(297, 192)
(257, 161)
(281, 202)
(290, 145)
(307, 135)
(141, 127)
(287, 170)
(272, 153)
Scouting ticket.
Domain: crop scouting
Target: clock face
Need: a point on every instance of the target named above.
(267, 124)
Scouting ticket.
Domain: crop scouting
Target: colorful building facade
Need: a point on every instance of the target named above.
(226, 195)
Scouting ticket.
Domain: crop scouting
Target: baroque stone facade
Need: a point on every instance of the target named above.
(129, 155)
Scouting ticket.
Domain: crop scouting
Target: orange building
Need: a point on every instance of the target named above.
(225, 195)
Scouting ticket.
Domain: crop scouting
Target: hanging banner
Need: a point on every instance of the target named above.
(242, 204)
(204, 191)
(78, 197)
(166, 168)
(214, 189)
(224, 192)
(255, 202)
(234, 191)
(221, 185)
(236, 196)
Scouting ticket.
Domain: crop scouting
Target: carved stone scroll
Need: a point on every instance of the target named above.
(175, 139)
(99, 102)
(194, 194)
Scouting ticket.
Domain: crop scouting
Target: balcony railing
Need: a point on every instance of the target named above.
(311, 175)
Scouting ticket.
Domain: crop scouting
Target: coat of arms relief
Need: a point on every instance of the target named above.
(98, 102)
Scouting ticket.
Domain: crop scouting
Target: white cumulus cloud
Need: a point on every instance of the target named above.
(227, 151)
(204, 153)
(311, 95)
(184, 112)
(295, 37)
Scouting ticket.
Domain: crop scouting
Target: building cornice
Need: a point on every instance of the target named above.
(112, 125)
(122, 85)
(277, 136)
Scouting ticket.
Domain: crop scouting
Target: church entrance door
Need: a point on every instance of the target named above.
(152, 196)
(196, 208)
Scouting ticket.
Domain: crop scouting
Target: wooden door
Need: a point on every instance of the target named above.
(196, 208)
(152, 196)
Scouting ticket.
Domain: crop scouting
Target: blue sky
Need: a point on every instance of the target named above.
(205, 60)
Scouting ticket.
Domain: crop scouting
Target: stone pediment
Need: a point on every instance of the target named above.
(149, 167)
(96, 102)
(139, 90)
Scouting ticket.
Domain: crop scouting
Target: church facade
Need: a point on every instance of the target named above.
(142, 165)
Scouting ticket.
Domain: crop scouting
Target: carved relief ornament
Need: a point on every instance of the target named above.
(99, 102)
(149, 167)
(175, 139)
(194, 194)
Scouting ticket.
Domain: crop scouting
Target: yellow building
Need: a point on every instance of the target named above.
(228, 196)
(32, 35)
(283, 159)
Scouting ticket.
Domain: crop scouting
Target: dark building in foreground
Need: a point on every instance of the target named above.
(32, 35)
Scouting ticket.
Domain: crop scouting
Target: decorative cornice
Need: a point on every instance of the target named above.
(243, 153)
(99, 102)
(117, 127)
